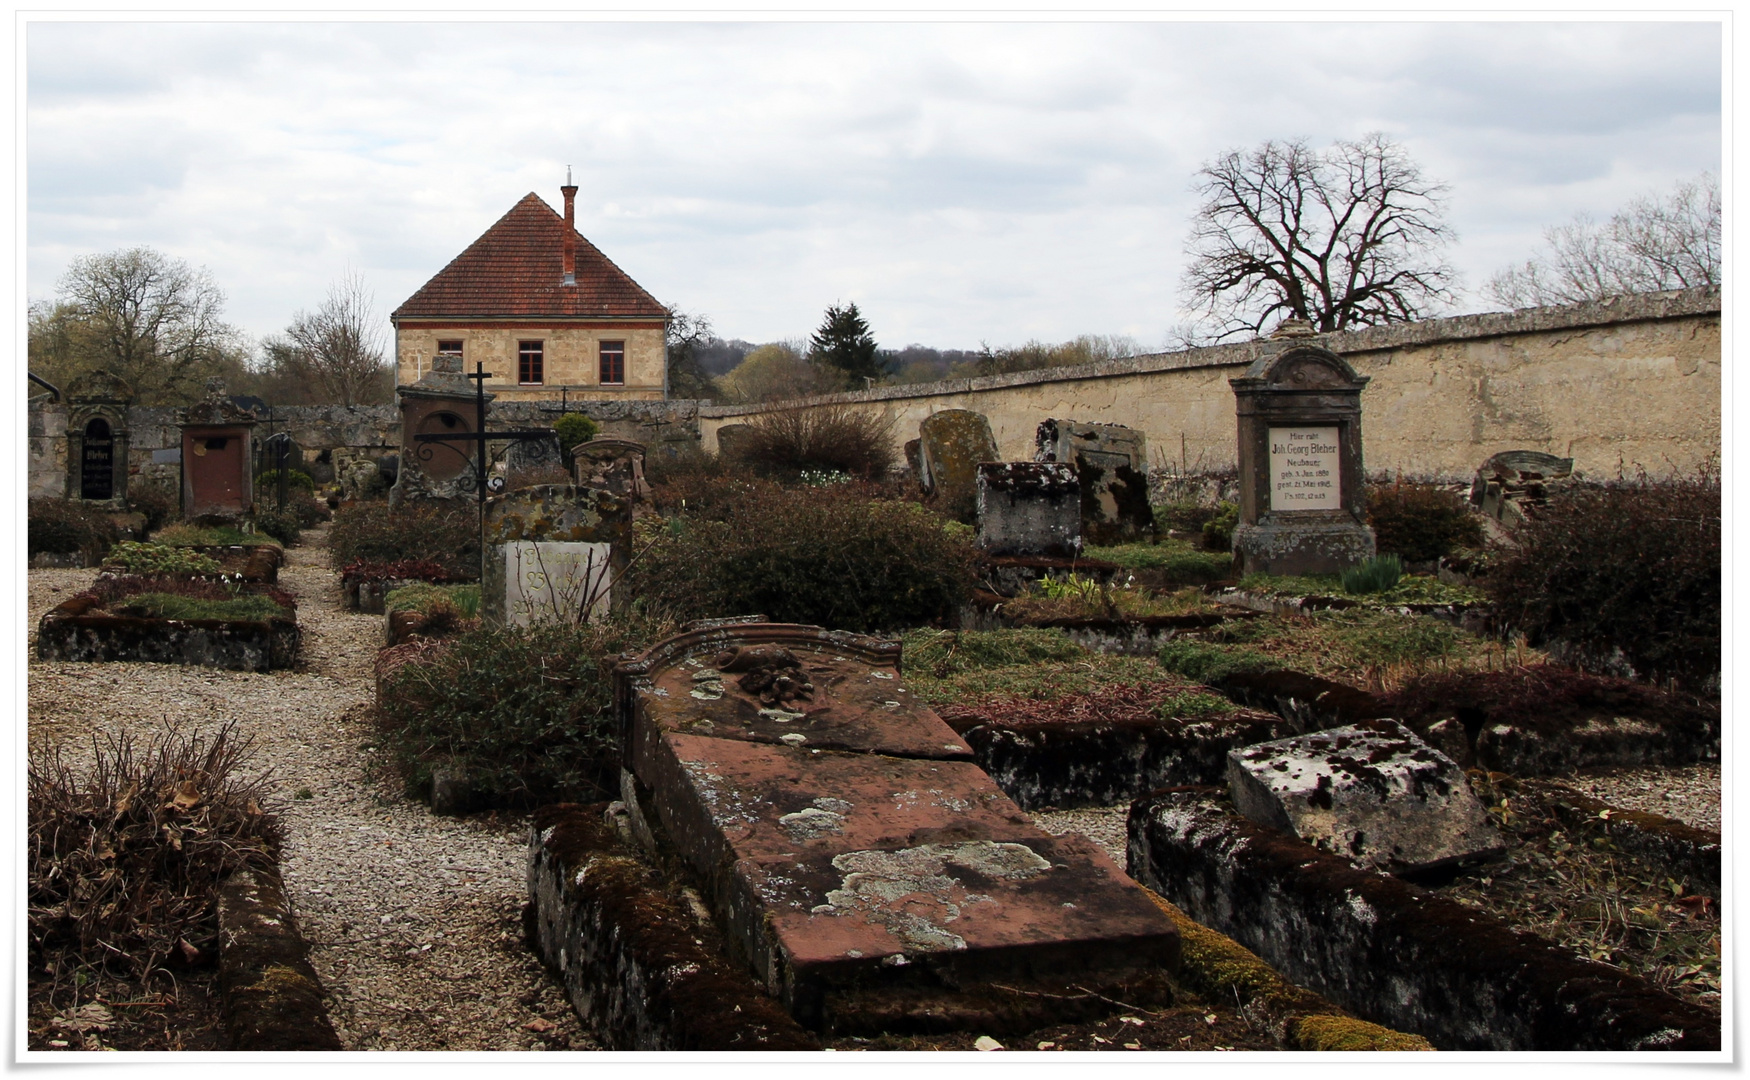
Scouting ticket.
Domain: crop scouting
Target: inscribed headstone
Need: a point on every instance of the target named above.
(548, 581)
(1305, 473)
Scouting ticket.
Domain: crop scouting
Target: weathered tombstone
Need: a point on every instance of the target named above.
(1029, 508)
(951, 444)
(1513, 481)
(1303, 509)
(914, 461)
(1112, 464)
(733, 440)
(1372, 792)
(442, 402)
(552, 553)
(531, 462)
(613, 465)
(97, 438)
(218, 455)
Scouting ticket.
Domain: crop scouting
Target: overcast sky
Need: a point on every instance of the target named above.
(961, 183)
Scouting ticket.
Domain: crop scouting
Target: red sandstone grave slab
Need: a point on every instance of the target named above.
(839, 871)
(857, 700)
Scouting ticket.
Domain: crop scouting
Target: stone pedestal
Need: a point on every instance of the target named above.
(951, 444)
(553, 553)
(1029, 508)
(1111, 463)
(1303, 505)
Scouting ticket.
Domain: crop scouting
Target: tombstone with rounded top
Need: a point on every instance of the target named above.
(951, 444)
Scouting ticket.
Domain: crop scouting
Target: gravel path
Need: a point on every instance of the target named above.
(413, 920)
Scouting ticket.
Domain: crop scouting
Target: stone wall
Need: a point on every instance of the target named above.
(373, 430)
(1635, 379)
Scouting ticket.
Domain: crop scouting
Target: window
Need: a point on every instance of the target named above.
(528, 362)
(449, 348)
(613, 362)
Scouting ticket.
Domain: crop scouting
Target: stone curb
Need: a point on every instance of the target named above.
(1685, 851)
(1390, 951)
(269, 995)
(634, 960)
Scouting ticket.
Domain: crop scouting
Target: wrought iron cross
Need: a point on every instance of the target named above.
(480, 436)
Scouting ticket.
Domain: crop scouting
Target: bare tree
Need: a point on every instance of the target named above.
(1347, 237)
(339, 345)
(1651, 245)
(149, 318)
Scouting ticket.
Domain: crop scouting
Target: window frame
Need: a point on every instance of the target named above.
(602, 353)
(525, 350)
(443, 348)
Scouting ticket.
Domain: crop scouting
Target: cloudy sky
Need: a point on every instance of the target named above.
(961, 182)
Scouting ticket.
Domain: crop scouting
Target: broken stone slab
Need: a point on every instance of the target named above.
(1372, 792)
(835, 872)
(782, 684)
(1029, 508)
(1112, 464)
(951, 444)
(1514, 482)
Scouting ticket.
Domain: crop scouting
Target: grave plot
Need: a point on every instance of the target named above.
(187, 617)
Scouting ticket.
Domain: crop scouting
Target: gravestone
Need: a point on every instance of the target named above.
(531, 462)
(218, 455)
(1514, 481)
(1372, 792)
(97, 439)
(915, 463)
(1111, 462)
(442, 402)
(615, 466)
(951, 444)
(1303, 507)
(552, 553)
(1029, 508)
(733, 440)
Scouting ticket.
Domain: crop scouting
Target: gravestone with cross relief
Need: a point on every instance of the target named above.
(1303, 505)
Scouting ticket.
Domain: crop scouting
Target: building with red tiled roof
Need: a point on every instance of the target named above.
(543, 309)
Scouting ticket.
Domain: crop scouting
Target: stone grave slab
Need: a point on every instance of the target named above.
(836, 870)
(1371, 791)
(854, 700)
(951, 444)
(1111, 462)
(1029, 508)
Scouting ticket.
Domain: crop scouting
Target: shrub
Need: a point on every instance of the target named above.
(526, 712)
(445, 533)
(810, 555)
(185, 534)
(115, 592)
(282, 525)
(125, 857)
(267, 484)
(1376, 575)
(574, 429)
(1218, 531)
(401, 570)
(65, 526)
(140, 558)
(1633, 566)
(157, 499)
(1421, 522)
(249, 607)
(828, 438)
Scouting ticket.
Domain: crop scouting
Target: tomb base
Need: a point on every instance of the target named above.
(1310, 548)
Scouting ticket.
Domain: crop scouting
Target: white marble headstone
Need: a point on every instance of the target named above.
(550, 581)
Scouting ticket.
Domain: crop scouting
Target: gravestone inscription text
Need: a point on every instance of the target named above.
(550, 581)
(1304, 469)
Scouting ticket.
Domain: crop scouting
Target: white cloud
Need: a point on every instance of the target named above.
(961, 182)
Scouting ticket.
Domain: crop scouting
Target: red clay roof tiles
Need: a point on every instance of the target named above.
(514, 269)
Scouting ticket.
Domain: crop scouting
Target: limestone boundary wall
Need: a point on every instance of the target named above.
(1634, 380)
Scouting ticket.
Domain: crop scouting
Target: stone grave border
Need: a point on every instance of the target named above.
(75, 631)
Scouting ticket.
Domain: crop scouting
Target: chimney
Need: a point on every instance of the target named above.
(570, 193)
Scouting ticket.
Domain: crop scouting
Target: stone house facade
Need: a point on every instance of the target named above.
(543, 309)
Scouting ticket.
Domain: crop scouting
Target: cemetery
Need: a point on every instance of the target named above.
(891, 743)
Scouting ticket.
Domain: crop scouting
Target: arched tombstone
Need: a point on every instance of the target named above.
(615, 465)
(442, 402)
(951, 445)
(1303, 506)
(218, 456)
(97, 439)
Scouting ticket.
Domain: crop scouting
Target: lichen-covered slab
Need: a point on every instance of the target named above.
(833, 869)
(1371, 791)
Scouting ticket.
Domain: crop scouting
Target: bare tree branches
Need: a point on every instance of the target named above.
(1651, 245)
(337, 347)
(1342, 238)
